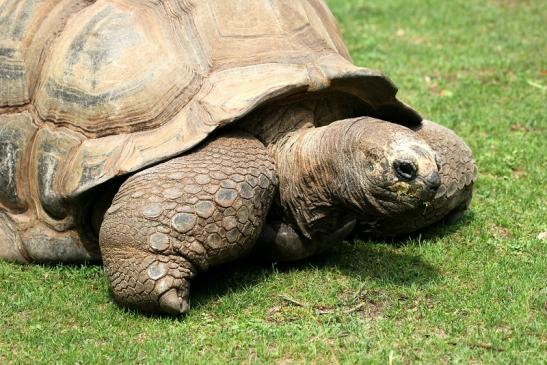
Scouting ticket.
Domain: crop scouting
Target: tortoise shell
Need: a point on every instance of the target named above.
(91, 90)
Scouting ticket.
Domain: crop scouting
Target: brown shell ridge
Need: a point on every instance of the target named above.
(122, 128)
(225, 97)
(98, 160)
(116, 68)
(333, 29)
(27, 28)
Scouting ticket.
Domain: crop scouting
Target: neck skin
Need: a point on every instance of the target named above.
(319, 190)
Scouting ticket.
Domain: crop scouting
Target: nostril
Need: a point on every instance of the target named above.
(433, 180)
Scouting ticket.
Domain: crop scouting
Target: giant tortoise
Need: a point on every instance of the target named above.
(167, 136)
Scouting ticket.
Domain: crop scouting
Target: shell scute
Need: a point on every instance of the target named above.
(16, 20)
(116, 69)
(139, 82)
(16, 132)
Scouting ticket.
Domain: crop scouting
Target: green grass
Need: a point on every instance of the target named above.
(472, 293)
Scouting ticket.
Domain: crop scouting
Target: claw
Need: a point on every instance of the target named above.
(172, 303)
(342, 233)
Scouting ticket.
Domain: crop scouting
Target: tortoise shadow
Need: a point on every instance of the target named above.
(377, 261)
(432, 233)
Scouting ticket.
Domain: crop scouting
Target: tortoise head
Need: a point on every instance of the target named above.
(396, 170)
(355, 169)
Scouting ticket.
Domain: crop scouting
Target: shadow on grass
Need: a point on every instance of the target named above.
(376, 259)
(379, 262)
(431, 233)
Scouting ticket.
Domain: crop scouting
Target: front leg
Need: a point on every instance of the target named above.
(171, 221)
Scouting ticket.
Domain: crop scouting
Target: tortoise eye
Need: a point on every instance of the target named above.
(405, 170)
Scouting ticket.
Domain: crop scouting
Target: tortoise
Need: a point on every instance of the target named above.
(166, 137)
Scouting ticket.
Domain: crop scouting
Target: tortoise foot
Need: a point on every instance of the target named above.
(144, 269)
(180, 217)
(174, 303)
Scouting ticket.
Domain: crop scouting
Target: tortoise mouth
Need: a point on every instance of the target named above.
(399, 198)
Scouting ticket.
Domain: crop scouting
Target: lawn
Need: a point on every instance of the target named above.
(475, 292)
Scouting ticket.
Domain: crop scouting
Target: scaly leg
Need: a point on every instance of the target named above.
(171, 221)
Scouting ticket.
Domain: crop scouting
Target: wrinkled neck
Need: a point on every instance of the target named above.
(314, 169)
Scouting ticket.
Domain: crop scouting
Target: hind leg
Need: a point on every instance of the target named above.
(171, 221)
